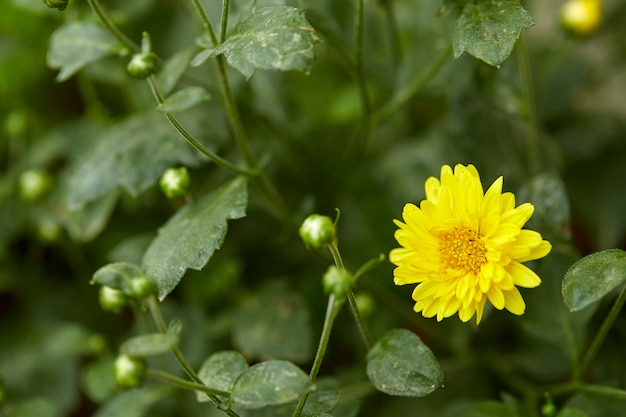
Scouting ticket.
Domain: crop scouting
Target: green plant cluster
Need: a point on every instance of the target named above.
(158, 160)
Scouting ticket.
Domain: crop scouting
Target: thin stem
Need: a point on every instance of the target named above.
(532, 137)
(593, 349)
(224, 20)
(190, 139)
(334, 250)
(183, 383)
(331, 312)
(106, 21)
(205, 21)
(363, 330)
(411, 90)
(392, 28)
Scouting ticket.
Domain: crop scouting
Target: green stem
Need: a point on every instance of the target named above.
(218, 160)
(594, 348)
(334, 250)
(532, 137)
(205, 21)
(411, 90)
(392, 28)
(106, 21)
(183, 383)
(331, 312)
(224, 20)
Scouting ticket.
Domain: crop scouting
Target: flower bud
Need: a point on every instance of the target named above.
(175, 182)
(141, 287)
(112, 300)
(337, 281)
(142, 65)
(34, 184)
(581, 18)
(365, 303)
(317, 231)
(60, 5)
(130, 371)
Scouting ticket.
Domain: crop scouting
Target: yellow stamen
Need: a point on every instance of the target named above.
(462, 249)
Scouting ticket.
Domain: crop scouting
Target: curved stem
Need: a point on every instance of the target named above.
(532, 137)
(190, 139)
(183, 383)
(594, 348)
(411, 90)
(205, 21)
(106, 21)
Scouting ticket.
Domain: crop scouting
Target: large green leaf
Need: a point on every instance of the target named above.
(401, 364)
(131, 154)
(269, 383)
(220, 371)
(276, 38)
(77, 44)
(190, 237)
(488, 29)
(593, 277)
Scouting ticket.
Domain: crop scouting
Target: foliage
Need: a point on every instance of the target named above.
(277, 111)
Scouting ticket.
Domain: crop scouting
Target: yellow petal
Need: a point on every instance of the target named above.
(522, 275)
(514, 302)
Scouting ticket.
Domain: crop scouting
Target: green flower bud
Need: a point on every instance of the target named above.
(337, 281)
(141, 287)
(318, 231)
(548, 409)
(365, 303)
(175, 182)
(48, 230)
(112, 300)
(56, 4)
(34, 184)
(142, 65)
(581, 18)
(130, 371)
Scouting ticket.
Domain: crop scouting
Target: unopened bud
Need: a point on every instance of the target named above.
(175, 182)
(130, 371)
(112, 300)
(318, 231)
(141, 287)
(60, 5)
(34, 184)
(337, 281)
(581, 18)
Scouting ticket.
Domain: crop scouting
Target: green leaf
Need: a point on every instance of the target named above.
(478, 409)
(116, 275)
(276, 38)
(173, 69)
(149, 344)
(571, 412)
(86, 223)
(190, 237)
(593, 277)
(488, 29)
(34, 407)
(401, 364)
(220, 371)
(98, 381)
(131, 154)
(184, 99)
(133, 403)
(274, 323)
(269, 383)
(77, 44)
(318, 402)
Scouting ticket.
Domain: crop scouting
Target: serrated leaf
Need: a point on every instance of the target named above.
(269, 383)
(184, 99)
(593, 277)
(401, 364)
(173, 69)
(131, 154)
(190, 237)
(133, 403)
(220, 371)
(77, 44)
(116, 275)
(149, 344)
(276, 38)
(488, 29)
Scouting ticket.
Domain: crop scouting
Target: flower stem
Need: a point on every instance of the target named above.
(595, 345)
(224, 20)
(331, 312)
(183, 383)
(205, 22)
(532, 136)
(106, 21)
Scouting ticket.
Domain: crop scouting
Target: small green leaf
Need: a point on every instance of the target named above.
(184, 99)
(269, 383)
(593, 277)
(488, 29)
(173, 69)
(401, 364)
(133, 403)
(116, 275)
(318, 402)
(202, 56)
(276, 38)
(131, 154)
(77, 44)
(149, 344)
(190, 237)
(220, 371)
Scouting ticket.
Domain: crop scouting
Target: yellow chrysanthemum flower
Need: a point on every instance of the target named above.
(463, 247)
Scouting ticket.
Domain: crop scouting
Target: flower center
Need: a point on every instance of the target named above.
(462, 248)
